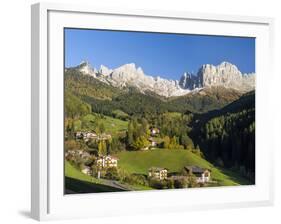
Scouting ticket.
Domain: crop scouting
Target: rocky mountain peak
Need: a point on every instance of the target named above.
(85, 68)
(129, 68)
(225, 74)
(84, 63)
(105, 70)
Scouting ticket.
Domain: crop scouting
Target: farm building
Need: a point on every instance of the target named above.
(202, 175)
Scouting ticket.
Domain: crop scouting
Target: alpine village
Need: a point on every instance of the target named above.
(127, 131)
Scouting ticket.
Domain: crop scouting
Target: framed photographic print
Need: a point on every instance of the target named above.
(162, 111)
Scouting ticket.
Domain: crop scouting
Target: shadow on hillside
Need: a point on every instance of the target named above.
(236, 177)
(74, 186)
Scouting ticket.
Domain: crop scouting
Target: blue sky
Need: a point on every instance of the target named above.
(166, 55)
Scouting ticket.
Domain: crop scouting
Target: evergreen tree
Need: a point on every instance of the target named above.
(166, 142)
(102, 148)
(130, 133)
(186, 142)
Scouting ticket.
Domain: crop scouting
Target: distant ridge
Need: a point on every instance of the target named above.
(225, 74)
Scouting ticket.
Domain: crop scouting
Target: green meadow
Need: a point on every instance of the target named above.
(138, 162)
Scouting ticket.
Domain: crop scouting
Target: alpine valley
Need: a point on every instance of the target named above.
(204, 120)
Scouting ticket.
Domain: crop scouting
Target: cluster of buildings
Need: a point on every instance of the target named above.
(201, 175)
(106, 161)
(77, 153)
(101, 162)
(87, 135)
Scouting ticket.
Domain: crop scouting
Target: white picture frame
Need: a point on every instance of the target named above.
(48, 200)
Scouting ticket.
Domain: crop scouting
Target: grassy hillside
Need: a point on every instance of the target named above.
(174, 161)
(112, 125)
(77, 182)
(71, 171)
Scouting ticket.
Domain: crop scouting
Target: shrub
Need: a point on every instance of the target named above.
(181, 183)
(72, 145)
(111, 173)
(170, 184)
(157, 184)
(136, 179)
(192, 181)
(186, 141)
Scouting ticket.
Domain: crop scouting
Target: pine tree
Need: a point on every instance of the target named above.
(102, 148)
(187, 142)
(130, 134)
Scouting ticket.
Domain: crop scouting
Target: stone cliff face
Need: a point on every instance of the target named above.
(225, 74)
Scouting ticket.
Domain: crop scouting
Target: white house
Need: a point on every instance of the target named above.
(154, 131)
(107, 161)
(158, 173)
(87, 170)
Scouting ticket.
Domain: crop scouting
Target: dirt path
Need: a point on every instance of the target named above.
(114, 183)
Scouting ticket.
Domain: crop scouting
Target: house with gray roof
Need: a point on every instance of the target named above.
(202, 175)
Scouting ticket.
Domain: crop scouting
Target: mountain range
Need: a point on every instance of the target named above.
(224, 75)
